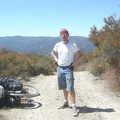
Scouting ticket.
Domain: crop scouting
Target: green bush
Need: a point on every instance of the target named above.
(107, 42)
(14, 64)
(98, 68)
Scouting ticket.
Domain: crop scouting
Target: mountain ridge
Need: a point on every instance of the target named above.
(41, 44)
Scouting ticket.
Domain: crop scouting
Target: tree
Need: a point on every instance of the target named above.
(107, 41)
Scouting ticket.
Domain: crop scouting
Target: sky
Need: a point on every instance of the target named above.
(48, 17)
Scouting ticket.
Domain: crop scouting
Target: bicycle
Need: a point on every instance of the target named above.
(26, 92)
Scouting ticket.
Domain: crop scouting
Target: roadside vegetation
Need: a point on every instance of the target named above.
(105, 59)
(24, 65)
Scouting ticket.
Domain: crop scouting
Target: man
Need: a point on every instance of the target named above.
(66, 62)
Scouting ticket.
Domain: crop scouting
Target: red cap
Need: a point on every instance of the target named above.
(64, 31)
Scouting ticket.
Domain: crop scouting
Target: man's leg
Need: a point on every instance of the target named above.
(65, 93)
(65, 103)
(73, 97)
(73, 100)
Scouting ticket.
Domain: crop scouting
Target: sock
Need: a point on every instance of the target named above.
(73, 105)
(65, 100)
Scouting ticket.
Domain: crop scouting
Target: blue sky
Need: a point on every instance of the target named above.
(47, 17)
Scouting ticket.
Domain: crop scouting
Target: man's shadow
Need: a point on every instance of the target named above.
(86, 109)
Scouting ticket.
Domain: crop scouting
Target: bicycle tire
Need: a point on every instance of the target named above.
(29, 93)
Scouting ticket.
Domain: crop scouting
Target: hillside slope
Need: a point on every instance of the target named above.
(42, 45)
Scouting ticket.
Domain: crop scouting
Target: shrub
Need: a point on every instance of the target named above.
(98, 68)
(107, 41)
(13, 64)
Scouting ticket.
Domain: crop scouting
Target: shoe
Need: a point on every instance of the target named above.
(75, 112)
(65, 105)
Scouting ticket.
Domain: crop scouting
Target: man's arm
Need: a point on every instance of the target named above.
(79, 57)
(54, 55)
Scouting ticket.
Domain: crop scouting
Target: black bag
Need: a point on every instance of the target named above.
(11, 84)
(10, 101)
(1, 102)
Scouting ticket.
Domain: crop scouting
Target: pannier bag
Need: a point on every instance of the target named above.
(11, 84)
(10, 101)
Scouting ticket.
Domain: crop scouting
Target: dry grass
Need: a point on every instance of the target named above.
(84, 67)
(109, 76)
(112, 80)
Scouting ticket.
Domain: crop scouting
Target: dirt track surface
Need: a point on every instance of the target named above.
(94, 101)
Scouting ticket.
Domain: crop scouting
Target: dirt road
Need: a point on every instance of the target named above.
(94, 101)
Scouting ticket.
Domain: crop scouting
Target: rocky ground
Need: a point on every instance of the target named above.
(95, 101)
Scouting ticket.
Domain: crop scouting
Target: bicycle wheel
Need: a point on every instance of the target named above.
(28, 91)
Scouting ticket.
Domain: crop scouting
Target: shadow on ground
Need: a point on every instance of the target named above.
(33, 105)
(86, 109)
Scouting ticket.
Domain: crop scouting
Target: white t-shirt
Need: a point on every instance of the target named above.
(65, 52)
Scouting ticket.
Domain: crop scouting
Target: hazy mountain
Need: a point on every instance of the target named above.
(42, 45)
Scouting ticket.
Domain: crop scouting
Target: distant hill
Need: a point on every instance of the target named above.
(42, 45)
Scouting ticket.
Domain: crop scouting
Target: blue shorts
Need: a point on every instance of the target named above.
(65, 79)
